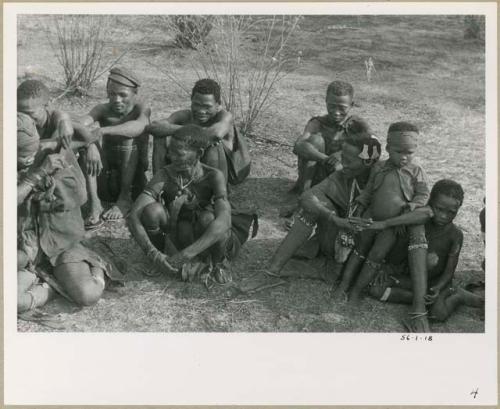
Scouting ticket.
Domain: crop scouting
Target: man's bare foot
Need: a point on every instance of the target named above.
(339, 295)
(354, 299)
(331, 271)
(94, 219)
(272, 272)
(118, 211)
(417, 322)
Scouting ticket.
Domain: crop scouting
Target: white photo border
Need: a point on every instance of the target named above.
(254, 368)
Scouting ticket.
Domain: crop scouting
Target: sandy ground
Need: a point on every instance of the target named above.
(426, 73)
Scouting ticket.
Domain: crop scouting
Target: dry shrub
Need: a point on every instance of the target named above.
(247, 56)
(189, 31)
(79, 43)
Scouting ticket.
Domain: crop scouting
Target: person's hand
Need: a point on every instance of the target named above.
(372, 224)
(360, 223)
(342, 223)
(178, 260)
(93, 164)
(160, 261)
(431, 297)
(331, 163)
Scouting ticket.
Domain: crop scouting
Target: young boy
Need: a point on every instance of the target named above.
(124, 148)
(444, 240)
(206, 111)
(395, 186)
(185, 206)
(318, 148)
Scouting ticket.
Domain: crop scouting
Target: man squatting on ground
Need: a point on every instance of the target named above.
(396, 185)
(206, 111)
(116, 165)
(328, 204)
(50, 191)
(185, 206)
(318, 148)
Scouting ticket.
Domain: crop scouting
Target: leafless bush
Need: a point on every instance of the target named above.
(189, 31)
(79, 43)
(247, 56)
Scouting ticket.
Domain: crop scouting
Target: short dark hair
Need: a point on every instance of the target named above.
(192, 136)
(403, 126)
(340, 88)
(447, 187)
(207, 86)
(356, 125)
(32, 89)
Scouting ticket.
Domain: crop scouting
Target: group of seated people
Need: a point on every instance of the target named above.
(380, 228)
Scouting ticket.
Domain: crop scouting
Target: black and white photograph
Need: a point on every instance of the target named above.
(267, 172)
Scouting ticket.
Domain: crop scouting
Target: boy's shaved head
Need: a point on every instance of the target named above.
(447, 187)
(340, 88)
(402, 134)
(403, 127)
(192, 136)
(32, 89)
(207, 86)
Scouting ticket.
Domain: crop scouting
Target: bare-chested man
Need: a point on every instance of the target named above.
(206, 111)
(115, 168)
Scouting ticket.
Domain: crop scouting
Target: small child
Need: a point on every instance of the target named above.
(444, 240)
(318, 148)
(395, 186)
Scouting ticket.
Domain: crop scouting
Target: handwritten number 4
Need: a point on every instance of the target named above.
(475, 392)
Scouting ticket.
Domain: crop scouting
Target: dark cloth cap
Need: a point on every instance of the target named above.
(124, 77)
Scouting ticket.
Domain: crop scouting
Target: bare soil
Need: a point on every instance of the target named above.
(426, 73)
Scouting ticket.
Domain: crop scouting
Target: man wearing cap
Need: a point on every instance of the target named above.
(123, 149)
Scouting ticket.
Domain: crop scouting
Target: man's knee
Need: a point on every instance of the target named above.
(205, 218)
(211, 157)
(153, 216)
(377, 254)
(88, 291)
(318, 142)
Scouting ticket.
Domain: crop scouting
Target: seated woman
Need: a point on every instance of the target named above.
(185, 206)
(444, 242)
(50, 191)
(328, 205)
